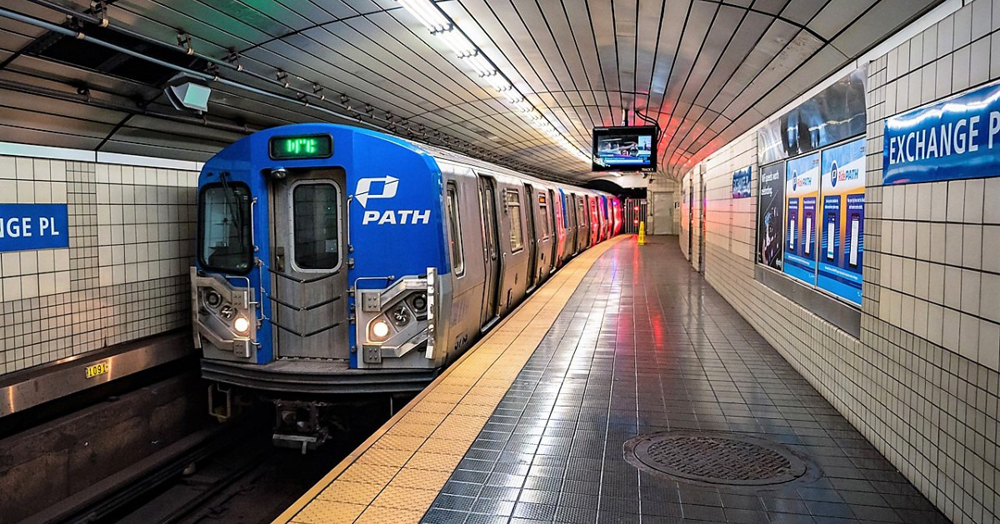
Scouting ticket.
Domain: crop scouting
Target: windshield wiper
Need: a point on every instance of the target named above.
(235, 210)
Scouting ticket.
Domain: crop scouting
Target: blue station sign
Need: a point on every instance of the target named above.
(29, 227)
(955, 139)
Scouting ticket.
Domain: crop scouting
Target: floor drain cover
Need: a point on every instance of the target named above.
(715, 458)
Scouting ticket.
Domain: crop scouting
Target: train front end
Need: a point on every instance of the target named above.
(320, 273)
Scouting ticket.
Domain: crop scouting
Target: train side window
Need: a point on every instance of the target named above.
(455, 229)
(513, 202)
(316, 226)
(543, 225)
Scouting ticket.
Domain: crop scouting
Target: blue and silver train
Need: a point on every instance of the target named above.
(335, 260)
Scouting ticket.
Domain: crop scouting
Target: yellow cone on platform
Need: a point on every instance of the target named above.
(642, 233)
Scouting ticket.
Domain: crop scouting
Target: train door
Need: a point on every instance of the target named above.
(606, 215)
(571, 218)
(309, 280)
(491, 249)
(566, 248)
(581, 223)
(595, 221)
(551, 217)
(533, 236)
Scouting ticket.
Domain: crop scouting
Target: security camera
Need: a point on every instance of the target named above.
(278, 173)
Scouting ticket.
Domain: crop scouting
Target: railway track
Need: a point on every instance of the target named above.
(105, 500)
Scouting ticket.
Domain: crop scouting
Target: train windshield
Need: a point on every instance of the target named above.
(224, 223)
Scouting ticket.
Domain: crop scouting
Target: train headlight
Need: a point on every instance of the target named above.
(242, 325)
(380, 330)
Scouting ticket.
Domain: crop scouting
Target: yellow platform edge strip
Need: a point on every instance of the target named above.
(395, 474)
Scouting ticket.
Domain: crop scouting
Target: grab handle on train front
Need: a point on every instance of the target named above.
(279, 259)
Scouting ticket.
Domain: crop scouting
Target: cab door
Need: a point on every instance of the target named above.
(308, 265)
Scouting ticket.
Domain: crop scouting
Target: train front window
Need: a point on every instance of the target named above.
(224, 223)
(316, 226)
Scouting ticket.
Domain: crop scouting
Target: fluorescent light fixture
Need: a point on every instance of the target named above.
(480, 65)
(499, 83)
(428, 14)
(458, 43)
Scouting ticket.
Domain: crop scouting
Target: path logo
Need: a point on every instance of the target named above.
(364, 191)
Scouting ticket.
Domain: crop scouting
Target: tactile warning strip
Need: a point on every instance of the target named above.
(395, 475)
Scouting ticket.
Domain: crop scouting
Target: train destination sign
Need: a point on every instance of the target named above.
(955, 139)
(301, 147)
(28, 227)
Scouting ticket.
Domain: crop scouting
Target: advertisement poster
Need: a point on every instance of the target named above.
(741, 183)
(770, 213)
(843, 219)
(834, 114)
(801, 190)
(955, 139)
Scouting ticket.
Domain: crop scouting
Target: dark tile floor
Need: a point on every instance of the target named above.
(645, 345)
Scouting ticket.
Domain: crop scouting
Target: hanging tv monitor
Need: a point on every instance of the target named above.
(624, 148)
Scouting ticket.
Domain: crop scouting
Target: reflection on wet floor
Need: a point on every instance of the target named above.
(645, 345)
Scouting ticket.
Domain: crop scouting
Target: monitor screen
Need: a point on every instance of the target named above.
(624, 148)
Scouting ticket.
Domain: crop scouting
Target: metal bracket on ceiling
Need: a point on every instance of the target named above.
(100, 8)
(184, 40)
(233, 57)
(318, 91)
(282, 77)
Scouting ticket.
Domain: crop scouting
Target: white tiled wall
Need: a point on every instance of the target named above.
(922, 382)
(124, 275)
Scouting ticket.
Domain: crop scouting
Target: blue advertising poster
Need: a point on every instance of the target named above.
(801, 190)
(958, 138)
(28, 227)
(843, 217)
(741, 183)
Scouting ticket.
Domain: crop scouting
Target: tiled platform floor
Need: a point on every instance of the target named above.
(645, 345)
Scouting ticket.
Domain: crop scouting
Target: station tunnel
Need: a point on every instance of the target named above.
(499, 261)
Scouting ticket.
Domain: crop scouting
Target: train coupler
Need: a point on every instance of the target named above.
(299, 424)
(220, 402)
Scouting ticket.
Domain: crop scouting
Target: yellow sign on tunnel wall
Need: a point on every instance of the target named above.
(100, 368)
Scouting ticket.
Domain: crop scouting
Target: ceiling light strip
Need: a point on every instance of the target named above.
(434, 19)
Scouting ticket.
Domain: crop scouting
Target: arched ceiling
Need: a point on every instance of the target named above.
(704, 70)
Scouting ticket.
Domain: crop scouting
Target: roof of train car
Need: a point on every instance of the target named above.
(451, 156)
(432, 151)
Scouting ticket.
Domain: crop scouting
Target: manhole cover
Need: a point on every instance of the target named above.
(715, 458)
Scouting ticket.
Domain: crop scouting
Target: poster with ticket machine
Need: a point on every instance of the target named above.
(843, 198)
(802, 191)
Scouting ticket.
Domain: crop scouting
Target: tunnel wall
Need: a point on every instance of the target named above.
(921, 383)
(124, 275)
